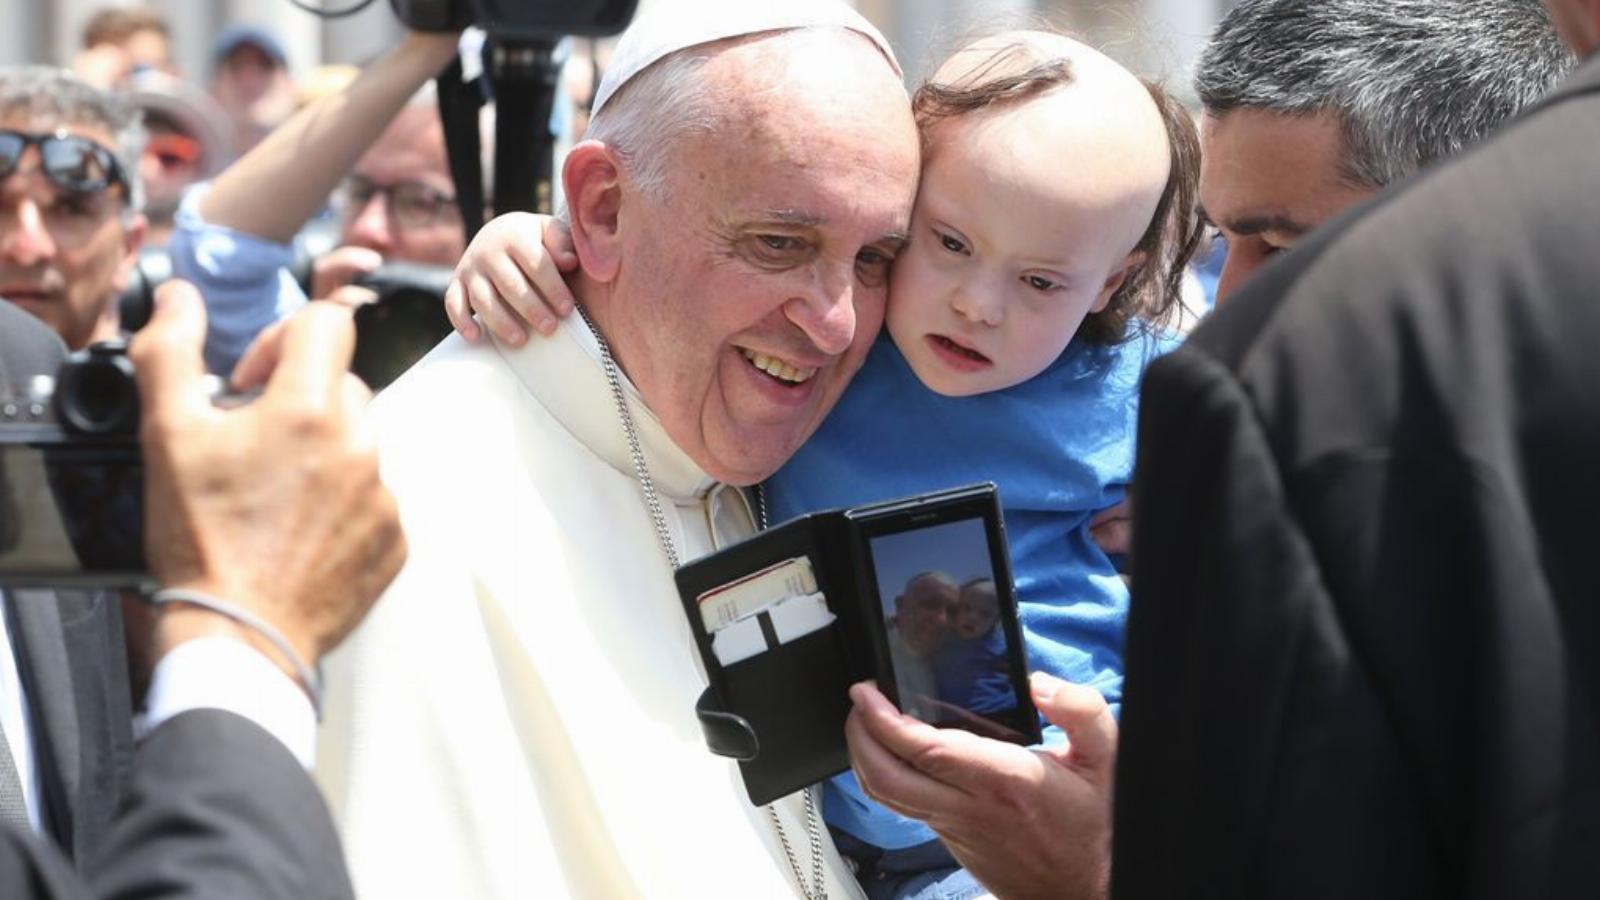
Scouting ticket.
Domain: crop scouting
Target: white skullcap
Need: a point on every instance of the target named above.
(667, 26)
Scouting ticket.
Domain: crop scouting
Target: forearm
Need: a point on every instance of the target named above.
(303, 160)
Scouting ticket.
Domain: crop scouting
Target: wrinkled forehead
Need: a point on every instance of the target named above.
(411, 148)
(929, 590)
(817, 123)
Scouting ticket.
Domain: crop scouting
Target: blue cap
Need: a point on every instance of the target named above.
(229, 39)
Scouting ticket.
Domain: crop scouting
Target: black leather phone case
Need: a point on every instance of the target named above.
(781, 713)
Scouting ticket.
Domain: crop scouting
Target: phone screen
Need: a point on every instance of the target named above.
(949, 620)
(71, 514)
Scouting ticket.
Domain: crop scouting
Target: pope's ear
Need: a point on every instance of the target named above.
(592, 180)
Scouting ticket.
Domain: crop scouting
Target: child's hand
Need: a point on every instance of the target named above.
(510, 281)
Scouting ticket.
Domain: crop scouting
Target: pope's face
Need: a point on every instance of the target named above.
(923, 613)
(753, 284)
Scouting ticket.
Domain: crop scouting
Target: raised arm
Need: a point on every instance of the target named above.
(274, 189)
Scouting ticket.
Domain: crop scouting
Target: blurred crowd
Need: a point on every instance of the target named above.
(1345, 652)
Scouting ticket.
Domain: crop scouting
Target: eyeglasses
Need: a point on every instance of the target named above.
(71, 162)
(412, 203)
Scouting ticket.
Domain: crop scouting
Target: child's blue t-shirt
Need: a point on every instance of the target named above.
(1060, 446)
(972, 673)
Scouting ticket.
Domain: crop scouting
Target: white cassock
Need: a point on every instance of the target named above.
(516, 717)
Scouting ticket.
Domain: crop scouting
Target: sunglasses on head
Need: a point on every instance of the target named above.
(71, 162)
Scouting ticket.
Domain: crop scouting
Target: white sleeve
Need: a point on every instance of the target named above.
(222, 673)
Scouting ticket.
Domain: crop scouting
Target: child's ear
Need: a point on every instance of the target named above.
(592, 181)
(1114, 283)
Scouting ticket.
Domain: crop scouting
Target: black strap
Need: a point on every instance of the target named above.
(525, 76)
(726, 734)
(459, 104)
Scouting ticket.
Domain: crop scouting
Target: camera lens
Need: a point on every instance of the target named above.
(96, 393)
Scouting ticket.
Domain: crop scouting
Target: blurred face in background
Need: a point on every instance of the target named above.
(172, 160)
(148, 48)
(256, 92)
(247, 73)
(400, 201)
(64, 255)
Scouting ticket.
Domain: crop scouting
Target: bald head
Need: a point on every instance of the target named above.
(1097, 121)
(710, 90)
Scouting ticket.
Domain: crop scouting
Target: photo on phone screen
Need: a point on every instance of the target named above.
(944, 623)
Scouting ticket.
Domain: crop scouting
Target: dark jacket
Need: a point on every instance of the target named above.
(217, 808)
(69, 650)
(1364, 647)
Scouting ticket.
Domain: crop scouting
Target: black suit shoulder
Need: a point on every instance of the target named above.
(1363, 642)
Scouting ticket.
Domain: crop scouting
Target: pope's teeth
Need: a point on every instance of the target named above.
(777, 368)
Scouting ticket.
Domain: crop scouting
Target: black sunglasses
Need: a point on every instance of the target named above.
(71, 162)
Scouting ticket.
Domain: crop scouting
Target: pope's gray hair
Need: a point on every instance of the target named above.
(652, 112)
(47, 92)
(1411, 81)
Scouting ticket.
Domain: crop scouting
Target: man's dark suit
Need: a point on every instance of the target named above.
(1364, 649)
(216, 808)
(70, 656)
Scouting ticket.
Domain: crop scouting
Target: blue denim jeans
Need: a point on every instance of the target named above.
(924, 872)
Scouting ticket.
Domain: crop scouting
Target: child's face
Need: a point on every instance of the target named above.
(1023, 226)
(977, 610)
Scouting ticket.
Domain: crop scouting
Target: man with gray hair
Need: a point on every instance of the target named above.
(1312, 107)
(70, 220)
(518, 719)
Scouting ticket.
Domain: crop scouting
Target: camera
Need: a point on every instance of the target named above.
(518, 20)
(405, 323)
(71, 476)
(521, 64)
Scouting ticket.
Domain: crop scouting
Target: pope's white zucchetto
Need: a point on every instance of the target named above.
(664, 27)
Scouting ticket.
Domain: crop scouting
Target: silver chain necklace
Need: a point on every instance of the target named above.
(658, 518)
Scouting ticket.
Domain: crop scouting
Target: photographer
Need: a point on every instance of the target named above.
(276, 510)
(233, 238)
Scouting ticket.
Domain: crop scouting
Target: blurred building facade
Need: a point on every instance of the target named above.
(1158, 38)
(46, 31)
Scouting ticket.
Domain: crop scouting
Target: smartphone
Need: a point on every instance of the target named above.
(946, 613)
